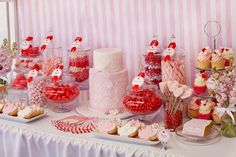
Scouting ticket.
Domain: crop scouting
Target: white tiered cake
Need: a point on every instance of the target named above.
(108, 80)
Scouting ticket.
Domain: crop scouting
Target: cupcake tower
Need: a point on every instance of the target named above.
(211, 61)
(211, 64)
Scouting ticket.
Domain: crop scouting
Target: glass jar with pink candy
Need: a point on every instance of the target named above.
(78, 60)
(173, 63)
(52, 54)
(152, 62)
(36, 83)
(175, 93)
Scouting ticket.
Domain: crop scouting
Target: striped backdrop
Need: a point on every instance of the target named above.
(130, 24)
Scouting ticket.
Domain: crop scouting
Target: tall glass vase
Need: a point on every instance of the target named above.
(173, 116)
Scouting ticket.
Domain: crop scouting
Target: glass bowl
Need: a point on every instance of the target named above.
(144, 101)
(61, 93)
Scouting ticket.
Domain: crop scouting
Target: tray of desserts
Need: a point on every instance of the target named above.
(133, 131)
(20, 112)
(198, 132)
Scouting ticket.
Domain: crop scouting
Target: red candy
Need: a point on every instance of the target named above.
(79, 66)
(142, 101)
(31, 52)
(172, 121)
(153, 67)
(20, 82)
(61, 93)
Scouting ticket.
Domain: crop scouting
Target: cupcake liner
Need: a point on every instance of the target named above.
(199, 89)
(205, 116)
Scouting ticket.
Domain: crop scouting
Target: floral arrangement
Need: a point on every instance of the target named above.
(6, 57)
(174, 93)
(225, 94)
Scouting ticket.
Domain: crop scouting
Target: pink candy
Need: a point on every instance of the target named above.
(35, 92)
(79, 65)
(51, 64)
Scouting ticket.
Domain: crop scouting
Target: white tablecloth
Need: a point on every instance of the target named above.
(41, 139)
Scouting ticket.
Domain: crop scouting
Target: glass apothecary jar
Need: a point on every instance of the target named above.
(62, 93)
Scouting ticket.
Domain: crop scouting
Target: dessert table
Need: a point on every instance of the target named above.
(41, 138)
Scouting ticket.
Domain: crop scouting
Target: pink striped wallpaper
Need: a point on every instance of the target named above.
(130, 24)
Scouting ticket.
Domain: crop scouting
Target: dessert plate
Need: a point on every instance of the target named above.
(212, 138)
(22, 120)
(84, 110)
(124, 139)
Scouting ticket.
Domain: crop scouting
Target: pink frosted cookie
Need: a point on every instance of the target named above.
(10, 109)
(149, 132)
(130, 129)
(2, 104)
(108, 126)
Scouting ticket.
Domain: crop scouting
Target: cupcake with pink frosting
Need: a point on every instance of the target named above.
(217, 60)
(193, 107)
(205, 110)
(199, 86)
(204, 58)
(227, 54)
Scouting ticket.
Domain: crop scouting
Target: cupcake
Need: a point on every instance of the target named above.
(193, 107)
(212, 83)
(216, 116)
(205, 110)
(217, 60)
(227, 54)
(204, 58)
(199, 86)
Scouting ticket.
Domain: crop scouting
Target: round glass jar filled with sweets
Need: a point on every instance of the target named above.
(173, 63)
(29, 47)
(79, 60)
(36, 82)
(61, 91)
(152, 62)
(142, 99)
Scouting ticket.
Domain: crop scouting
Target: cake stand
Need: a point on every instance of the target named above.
(84, 109)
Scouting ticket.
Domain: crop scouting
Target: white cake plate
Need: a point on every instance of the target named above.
(83, 109)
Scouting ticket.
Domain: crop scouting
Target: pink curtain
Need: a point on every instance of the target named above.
(130, 24)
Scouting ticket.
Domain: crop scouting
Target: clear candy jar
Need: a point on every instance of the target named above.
(61, 93)
(145, 100)
(19, 81)
(79, 64)
(173, 69)
(29, 48)
(35, 91)
(52, 54)
(152, 67)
